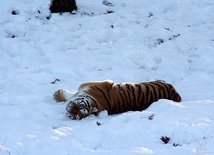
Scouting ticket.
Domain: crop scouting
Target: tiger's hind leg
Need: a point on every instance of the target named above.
(62, 95)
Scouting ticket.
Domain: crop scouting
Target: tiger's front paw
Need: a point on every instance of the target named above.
(62, 95)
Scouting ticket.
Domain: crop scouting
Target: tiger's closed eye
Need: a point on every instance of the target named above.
(83, 108)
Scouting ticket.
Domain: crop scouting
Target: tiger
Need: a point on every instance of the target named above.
(115, 98)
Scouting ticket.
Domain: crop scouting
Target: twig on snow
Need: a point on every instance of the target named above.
(2, 145)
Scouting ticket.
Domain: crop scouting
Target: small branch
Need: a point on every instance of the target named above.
(151, 117)
(55, 81)
(98, 123)
(2, 145)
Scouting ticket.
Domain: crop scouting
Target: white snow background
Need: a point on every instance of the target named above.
(126, 41)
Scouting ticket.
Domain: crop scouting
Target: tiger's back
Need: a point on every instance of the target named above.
(118, 98)
(139, 96)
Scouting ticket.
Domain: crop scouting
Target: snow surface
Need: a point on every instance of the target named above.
(142, 40)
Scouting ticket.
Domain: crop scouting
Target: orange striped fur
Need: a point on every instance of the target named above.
(119, 98)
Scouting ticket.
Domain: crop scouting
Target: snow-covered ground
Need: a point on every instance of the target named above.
(127, 41)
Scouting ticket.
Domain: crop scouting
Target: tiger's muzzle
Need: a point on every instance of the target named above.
(76, 111)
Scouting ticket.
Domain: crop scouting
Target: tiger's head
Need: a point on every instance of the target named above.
(80, 108)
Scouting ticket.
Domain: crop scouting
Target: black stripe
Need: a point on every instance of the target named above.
(128, 91)
(120, 109)
(138, 93)
(160, 96)
(171, 91)
(155, 93)
(165, 90)
(141, 95)
(93, 100)
(134, 98)
(129, 103)
(158, 91)
(162, 90)
(151, 97)
(93, 88)
(151, 100)
(126, 105)
(107, 89)
(123, 107)
(115, 102)
(104, 96)
(146, 96)
(128, 86)
(113, 106)
(88, 104)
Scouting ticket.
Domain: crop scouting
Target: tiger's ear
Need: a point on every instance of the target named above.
(94, 109)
